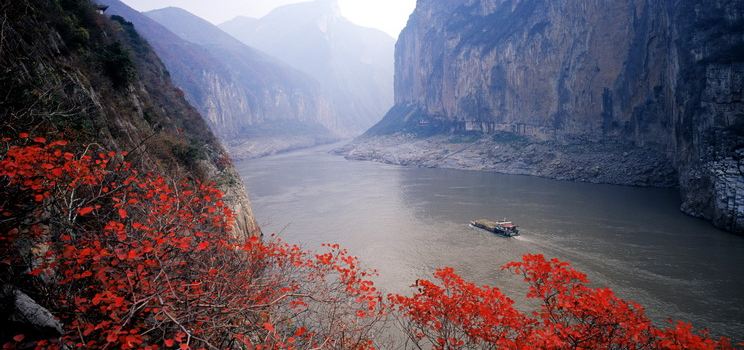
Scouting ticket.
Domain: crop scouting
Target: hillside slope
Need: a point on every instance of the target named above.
(254, 103)
(353, 64)
(70, 72)
(633, 92)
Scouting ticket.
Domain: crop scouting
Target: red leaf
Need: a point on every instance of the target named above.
(300, 331)
(19, 338)
(40, 140)
(268, 326)
(85, 211)
(169, 343)
(202, 246)
(23, 135)
(122, 213)
(112, 337)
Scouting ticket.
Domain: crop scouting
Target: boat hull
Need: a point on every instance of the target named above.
(496, 230)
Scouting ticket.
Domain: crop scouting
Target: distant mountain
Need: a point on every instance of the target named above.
(253, 102)
(240, 24)
(354, 64)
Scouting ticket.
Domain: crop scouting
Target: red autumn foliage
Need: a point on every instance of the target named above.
(133, 260)
(456, 314)
(142, 261)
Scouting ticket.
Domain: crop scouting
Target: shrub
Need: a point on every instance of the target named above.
(138, 43)
(456, 314)
(138, 260)
(72, 33)
(117, 64)
(76, 17)
(188, 152)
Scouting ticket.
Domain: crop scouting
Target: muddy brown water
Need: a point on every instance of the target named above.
(406, 222)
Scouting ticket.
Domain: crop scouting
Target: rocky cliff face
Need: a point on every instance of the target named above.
(663, 76)
(253, 102)
(353, 64)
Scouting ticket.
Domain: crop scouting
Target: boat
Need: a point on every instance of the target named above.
(504, 228)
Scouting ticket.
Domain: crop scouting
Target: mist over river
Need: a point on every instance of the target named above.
(406, 222)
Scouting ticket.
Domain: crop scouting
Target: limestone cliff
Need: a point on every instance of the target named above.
(666, 77)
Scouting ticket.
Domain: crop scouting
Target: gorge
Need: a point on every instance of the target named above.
(130, 141)
(258, 104)
(353, 63)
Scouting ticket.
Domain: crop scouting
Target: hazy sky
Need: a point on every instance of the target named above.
(387, 15)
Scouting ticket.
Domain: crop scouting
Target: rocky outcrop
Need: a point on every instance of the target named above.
(22, 315)
(662, 78)
(353, 64)
(246, 96)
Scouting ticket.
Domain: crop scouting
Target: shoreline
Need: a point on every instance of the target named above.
(589, 163)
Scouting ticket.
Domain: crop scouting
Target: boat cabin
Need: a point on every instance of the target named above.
(504, 228)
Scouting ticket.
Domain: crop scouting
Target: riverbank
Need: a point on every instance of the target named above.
(507, 154)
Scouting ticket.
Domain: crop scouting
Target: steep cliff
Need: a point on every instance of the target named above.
(353, 64)
(639, 83)
(68, 71)
(253, 102)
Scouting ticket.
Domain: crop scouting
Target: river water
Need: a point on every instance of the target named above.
(406, 222)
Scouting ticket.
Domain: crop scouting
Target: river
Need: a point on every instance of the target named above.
(406, 222)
